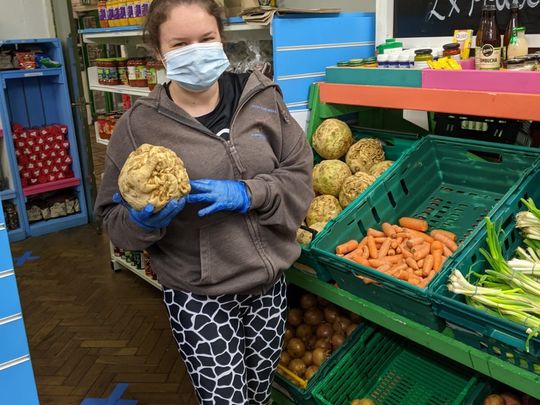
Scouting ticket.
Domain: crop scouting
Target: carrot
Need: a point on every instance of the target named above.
(403, 275)
(416, 234)
(388, 230)
(375, 263)
(448, 234)
(384, 248)
(339, 255)
(437, 259)
(394, 244)
(381, 239)
(403, 235)
(413, 223)
(391, 252)
(436, 245)
(363, 242)
(447, 252)
(347, 247)
(428, 265)
(398, 250)
(449, 243)
(418, 272)
(365, 252)
(420, 263)
(415, 241)
(398, 229)
(385, 268)
(399, 240)
(372, 247)
(412, 263)
(375, 233)
(398, 267)
(420, 251)
(393, 259)
(404, 251)
(415, 281)
(360, 260)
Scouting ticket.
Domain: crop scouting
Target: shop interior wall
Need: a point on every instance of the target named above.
(24, 19)
(345, 5)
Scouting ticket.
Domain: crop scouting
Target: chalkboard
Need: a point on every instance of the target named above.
(437, 18)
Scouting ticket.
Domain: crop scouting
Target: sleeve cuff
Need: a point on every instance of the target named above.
(258, 189)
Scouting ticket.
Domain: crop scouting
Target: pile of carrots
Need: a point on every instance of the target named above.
(406, 252)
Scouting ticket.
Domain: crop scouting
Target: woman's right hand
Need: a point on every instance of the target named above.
(146, 218)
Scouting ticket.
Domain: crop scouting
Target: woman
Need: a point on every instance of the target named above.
(220, 252)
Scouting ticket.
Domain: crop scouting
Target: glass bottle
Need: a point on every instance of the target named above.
(512, 24)
(518, 45)
(488, 41)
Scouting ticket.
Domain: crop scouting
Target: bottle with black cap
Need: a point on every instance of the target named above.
(488, 51)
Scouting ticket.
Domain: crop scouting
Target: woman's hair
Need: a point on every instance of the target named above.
(159, 13)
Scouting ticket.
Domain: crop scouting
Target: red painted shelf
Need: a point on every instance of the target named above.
(52, 186)
(518, 106)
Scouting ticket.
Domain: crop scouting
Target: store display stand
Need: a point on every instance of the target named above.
(117, 264)
(343, 97)
(36, 98)
(17, 383)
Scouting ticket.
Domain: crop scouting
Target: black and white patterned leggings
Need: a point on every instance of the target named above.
(230, 343)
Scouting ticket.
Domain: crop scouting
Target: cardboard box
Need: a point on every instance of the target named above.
(234, 8)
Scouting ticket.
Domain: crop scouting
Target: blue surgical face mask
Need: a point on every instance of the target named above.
(196, 67)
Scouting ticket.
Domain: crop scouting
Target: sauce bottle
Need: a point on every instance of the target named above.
(513, 23)
(488, 51)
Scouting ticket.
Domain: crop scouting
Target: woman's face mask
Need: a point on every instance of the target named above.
(196, 67)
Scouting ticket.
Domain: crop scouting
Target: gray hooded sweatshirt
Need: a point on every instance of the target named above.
(225, 252)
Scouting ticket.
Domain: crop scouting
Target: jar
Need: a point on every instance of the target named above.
(382, 61)
(100, 68)
(111, 12)
(110, 72)
(403, 61)
(152, 68)
(137, 72)
(130, 10)
(530, 61)
(452, 50)
(123, 71)
(102, 12)
(122, 13)
(423, 56)
(518, 45)
(393, 60)
(515, 64)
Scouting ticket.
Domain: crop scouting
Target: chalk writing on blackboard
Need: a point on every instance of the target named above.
(452, 6)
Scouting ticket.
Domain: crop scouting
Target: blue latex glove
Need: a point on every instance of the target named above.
(146, 218)
(223, 195)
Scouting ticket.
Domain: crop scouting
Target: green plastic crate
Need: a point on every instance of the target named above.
(305, 396)
(485, 330)
(395, 146)
(453, 184)
(391, 370)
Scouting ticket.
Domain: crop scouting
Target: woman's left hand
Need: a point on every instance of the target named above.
(223, 195)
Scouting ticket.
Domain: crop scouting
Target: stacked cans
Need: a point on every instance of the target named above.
(42, 154)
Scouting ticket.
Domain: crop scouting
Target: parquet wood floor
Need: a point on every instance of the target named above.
(90, 329)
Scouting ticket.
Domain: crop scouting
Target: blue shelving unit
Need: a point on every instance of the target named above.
(17, 383)
(37, 98)
(304, 45)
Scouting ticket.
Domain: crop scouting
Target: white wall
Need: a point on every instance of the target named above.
(25, 19)
(345, 5)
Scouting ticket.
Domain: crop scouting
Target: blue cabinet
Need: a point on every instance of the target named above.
(304, 45)
(38, 98)
(17, 384)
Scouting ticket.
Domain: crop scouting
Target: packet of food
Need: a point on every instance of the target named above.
(464, 38)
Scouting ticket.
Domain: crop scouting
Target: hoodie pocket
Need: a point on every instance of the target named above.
(227, 251)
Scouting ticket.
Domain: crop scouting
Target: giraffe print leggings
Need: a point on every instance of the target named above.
(230, 343)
